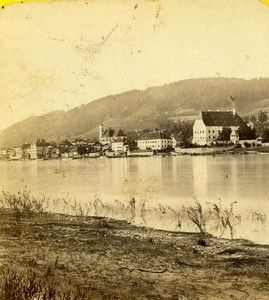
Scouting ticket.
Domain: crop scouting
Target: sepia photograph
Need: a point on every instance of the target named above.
(134, 149)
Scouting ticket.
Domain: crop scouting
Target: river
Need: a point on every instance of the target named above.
(161, 187)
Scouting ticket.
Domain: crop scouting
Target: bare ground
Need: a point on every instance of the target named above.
(116, 260)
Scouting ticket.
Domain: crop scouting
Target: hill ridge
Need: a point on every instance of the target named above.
(138, 109)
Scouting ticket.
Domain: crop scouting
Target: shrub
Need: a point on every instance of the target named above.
(30, 285)
(202, 242)
(237, 146)
(24, 204)
(228, 221)
(24, 286)
(247, 145)
(226, 218)
(195, 214)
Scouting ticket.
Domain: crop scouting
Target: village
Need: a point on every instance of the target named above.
(212, 132)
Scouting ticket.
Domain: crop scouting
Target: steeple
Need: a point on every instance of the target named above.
(101, 131)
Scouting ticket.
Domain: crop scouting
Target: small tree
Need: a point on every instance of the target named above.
(225, 134)
(263, 116)
(82, 150)
(246, 133)
(24, 204)
(265, 134)
(247, 145)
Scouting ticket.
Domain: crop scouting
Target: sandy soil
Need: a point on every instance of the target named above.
(116, 260)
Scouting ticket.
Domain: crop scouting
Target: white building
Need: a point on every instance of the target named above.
(3, 153)
(32, 151)
(119, 146)
(155, 140)
(17, 153)
(207, 127)
(177, 139)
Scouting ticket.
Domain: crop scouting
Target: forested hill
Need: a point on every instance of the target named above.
(143, 109)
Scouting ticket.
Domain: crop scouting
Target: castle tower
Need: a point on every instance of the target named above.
(101, 131)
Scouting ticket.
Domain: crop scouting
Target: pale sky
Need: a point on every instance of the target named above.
(59, 55)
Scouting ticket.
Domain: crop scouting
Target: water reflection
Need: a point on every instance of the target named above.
(160, 185)
(200, 177)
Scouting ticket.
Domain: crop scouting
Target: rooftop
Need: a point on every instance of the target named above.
(113, 133)
(221, 118)
(155, 135)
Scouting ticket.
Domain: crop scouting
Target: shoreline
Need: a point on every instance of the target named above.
(117, 260)
(172, 154)
(195, 151)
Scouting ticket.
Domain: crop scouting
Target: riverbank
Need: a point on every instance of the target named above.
(114, 260)
(183, 151)
(259, 150)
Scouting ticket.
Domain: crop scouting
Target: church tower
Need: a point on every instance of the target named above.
(101, 131)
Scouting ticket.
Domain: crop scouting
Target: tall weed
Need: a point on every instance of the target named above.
(24, 204)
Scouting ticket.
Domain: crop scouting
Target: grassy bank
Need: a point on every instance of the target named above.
(67, 257)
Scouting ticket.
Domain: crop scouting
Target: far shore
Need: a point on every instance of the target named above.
(199, 151)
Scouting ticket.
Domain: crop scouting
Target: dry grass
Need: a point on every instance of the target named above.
(205, 218)
(24, 204)
(69, 257)
(29, 284)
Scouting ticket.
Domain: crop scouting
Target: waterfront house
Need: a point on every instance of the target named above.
(51, 151)
(155, 140)
(209, 124)
(17, 153)
(10, 152)
(3, 153)
(79, 142)
(32, 151)
(119, 146)
(73, 151)
(42, 148)
(177, 139)
(64, 147)
(259, 141)
(24, 149)
(105, 149)
(97, 146)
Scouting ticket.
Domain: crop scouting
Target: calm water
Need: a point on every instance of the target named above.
(160, 186)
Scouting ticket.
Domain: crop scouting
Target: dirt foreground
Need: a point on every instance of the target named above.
(115, 260)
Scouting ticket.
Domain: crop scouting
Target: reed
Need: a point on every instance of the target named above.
(24, 204)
